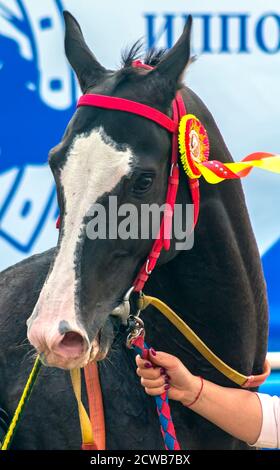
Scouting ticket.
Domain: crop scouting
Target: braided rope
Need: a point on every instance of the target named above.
(162, 404)
(21, 405)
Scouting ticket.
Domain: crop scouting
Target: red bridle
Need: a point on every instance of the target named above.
(171, 125)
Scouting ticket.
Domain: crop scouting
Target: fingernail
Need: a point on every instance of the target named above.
(153, 352)
(166, 387)
(162, 371)
(166, 378)
(148, 365)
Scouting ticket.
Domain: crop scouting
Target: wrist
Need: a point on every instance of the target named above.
(193, 394)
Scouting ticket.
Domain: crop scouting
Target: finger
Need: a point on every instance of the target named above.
(157, 391)
(150, 374)
(153, 383)
(143, 362)
(162, 359)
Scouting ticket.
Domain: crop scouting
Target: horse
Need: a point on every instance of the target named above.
(66, 295)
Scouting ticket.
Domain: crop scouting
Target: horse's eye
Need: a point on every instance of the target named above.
(143, 183)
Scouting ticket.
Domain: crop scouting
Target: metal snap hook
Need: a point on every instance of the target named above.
(136, 329)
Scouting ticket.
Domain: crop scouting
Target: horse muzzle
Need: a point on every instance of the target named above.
(66, 347)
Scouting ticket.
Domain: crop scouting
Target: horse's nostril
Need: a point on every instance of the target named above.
(72, 345)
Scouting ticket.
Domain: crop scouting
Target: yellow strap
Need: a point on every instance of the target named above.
(21, 404)
(190, 335)
(85, 424)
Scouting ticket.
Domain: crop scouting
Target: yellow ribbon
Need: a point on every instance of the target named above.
(85, 424)
(266, 163)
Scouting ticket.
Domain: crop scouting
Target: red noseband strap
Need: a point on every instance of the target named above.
(171, 125)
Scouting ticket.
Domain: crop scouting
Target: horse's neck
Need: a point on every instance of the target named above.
(217, 286)
(222, 268)
(218, 289)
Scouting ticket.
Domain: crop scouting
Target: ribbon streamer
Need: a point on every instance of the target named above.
(214, 171)
(194, 153)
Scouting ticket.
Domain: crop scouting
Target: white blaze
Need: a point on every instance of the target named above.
(93, 167)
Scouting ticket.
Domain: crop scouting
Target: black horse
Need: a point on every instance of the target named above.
(217, 287)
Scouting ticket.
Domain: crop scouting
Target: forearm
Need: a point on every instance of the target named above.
(238, 412)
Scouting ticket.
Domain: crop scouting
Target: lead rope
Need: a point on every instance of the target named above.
(232, 374)
(163, 409)
(21, 405)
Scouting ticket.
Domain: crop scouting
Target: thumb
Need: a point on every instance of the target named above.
(162, 359)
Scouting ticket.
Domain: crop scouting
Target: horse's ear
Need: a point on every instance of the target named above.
(88, 70)
(171, 67)
(176, 60)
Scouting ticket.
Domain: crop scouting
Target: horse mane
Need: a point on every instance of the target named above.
(151, 57)
(136, 52)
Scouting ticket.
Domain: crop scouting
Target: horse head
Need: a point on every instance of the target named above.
(103, 153)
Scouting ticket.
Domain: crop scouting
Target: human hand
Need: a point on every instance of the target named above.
(164, 372)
